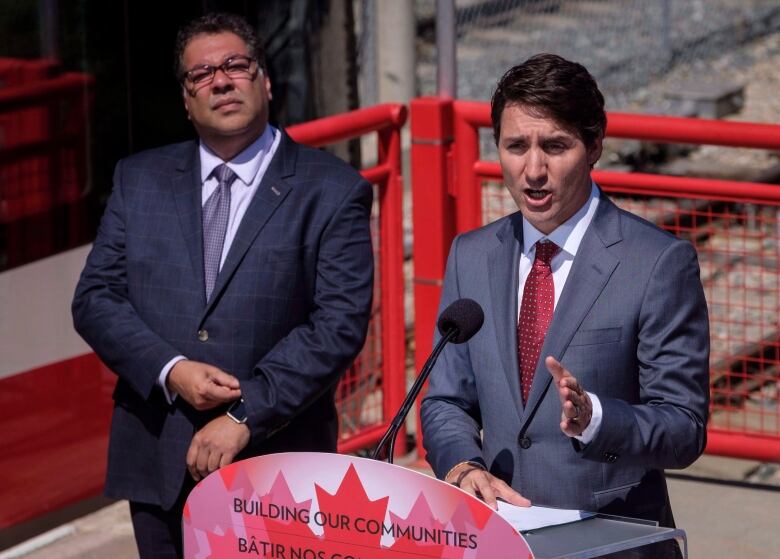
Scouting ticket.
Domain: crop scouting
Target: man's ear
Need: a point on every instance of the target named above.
(594, 151)
(186, 98)
(267, 83)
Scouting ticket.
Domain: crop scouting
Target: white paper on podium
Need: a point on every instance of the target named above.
(533, 518)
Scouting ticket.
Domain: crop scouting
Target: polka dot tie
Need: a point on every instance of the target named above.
(216, 212)
(536, 311)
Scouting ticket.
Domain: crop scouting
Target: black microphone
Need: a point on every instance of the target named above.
(457, 324)
(465, 317)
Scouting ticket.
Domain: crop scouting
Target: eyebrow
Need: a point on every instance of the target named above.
(554, 137)
(228, 57)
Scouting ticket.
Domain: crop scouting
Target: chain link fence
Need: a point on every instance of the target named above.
(626, 44)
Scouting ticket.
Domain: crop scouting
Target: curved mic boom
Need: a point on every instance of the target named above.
(457, 324)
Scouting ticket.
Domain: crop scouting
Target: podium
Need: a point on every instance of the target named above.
(310, 505)
(598, 536)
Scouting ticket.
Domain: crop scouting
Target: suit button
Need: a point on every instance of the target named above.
(610, 458)
(203, 335)
(525, 443)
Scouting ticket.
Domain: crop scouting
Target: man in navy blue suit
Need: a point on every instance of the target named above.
(228, 288)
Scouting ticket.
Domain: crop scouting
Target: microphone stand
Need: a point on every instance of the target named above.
(395, 424)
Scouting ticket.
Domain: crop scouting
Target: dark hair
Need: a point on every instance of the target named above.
(211, 24)
(556, 88)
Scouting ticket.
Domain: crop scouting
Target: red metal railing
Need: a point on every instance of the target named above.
(734, 226)
(43, 140)
(43, 146)
(373, 389)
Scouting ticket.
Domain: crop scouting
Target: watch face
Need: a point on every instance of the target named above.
(237, 411)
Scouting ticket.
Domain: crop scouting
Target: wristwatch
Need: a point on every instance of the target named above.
(237, 411)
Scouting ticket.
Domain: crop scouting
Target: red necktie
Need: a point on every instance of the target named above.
(536, 311)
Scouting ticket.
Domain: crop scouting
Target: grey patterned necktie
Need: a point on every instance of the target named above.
(216, 212)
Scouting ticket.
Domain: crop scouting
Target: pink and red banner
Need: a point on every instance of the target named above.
(331, 506)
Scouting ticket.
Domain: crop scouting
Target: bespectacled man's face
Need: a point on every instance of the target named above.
(231, 109)
(546, 168)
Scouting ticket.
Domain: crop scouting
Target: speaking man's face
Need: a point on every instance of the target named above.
(234, 104)
(546, 168)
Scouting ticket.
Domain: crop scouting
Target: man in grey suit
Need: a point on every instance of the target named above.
(590, 374)
(229, 287)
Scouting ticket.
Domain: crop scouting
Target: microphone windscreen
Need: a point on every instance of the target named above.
(465, 316)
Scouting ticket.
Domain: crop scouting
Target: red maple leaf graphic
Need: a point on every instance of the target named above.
(412, 534)
(286, 520)
(223, 546)
(472, 512)
(349, 515)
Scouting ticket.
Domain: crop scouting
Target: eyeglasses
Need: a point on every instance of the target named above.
(238, 66)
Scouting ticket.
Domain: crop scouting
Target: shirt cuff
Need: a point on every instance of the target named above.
(592, 429)
(162, 380)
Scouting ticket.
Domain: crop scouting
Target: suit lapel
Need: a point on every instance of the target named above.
(502, 277)
(187, 193)
(590, 271)
(271, 191)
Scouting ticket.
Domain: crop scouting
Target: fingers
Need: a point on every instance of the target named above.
(203, 386)
(223, 379)
(477, 482)
(556, 369)
(214, 446)
(576, 407)
(489, 488)
(202, 459)
(218, 387)
(505, 492)
(576, 414)
(192, 458)
(212, 394)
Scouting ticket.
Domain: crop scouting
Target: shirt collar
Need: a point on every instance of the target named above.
(246, 164)
(568, 235)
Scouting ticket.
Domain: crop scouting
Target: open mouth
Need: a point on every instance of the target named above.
(538, 195)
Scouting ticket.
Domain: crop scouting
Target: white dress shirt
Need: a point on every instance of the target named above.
(568, 237)
(249, 166)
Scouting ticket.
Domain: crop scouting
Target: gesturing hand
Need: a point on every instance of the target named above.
(576, 407)
(202, 385)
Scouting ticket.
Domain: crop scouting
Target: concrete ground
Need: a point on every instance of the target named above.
(722, 515)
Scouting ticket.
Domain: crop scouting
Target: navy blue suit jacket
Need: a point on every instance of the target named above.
(288, 314)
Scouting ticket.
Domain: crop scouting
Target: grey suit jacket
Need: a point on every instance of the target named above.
(631, 324)
(288, 313)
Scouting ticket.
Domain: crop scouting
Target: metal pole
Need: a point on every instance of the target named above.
(48, 15)
(666, 32)
(446, 73)
(396, 50)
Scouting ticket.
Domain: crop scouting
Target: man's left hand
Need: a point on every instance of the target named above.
(576, 407)
(215, 446)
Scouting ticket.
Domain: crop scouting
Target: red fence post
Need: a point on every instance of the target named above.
(392, 278)
(433, 213)
(467, 187)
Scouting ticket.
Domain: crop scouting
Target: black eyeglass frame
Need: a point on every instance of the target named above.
(211, 71)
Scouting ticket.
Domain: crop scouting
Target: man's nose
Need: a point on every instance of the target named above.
(536, 168)
(221, 80)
